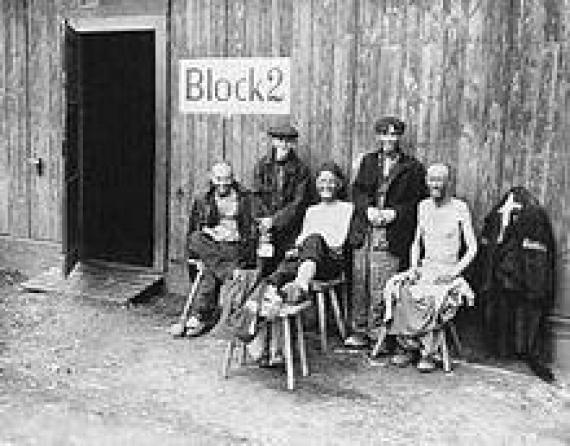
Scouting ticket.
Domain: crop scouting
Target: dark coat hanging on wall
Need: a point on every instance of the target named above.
(516, 278)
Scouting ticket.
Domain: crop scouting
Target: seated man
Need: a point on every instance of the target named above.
(328, 229)
(221, 234)
(430, 292)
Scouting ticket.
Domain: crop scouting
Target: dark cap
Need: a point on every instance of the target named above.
(283, 131)
(331, 166)
(389, 125)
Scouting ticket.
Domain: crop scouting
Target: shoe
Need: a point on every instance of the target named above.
(402, 359)
(265, 362)
(195, 326)
(541, 370)
(426, 365)
(356, 340)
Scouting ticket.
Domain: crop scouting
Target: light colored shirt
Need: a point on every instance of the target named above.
(330, 220)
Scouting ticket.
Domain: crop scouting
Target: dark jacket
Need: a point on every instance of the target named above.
(204, 213)
(524, 261)
(406, 188)
(288, 207)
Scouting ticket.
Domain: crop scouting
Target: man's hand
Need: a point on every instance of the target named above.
(388, 215)
(374, 216)
(292, 253)
(413, 274)
(380, 217)
(266, 223)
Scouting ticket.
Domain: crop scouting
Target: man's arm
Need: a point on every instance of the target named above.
(361, 189)
(466, 227)
(415, 249)
(358, 229)
(294, 209)
(417, 188)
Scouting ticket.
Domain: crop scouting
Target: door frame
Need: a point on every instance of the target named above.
(161, 146)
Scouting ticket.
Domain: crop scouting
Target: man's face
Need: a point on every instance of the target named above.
(282, 147)
(388, 144)
(327, 185)
(222, 179)
(438, 183)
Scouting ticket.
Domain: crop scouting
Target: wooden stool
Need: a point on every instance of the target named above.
(324, 289)
(443, 343)
(287, 313)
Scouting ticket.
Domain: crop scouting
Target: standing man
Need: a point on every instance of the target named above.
(221, 233)
(281, 182)
(387, 187)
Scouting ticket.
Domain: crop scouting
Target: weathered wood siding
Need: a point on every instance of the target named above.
(482, 84)
(31, 109)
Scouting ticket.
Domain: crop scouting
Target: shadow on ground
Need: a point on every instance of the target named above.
(75, 371)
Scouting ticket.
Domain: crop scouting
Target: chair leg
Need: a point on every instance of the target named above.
(301, 344)
(275, 338)
(228, 358)
(288, 353)
(379, 342)
(444, 351)
(337, 314)
(243, 354)
(344, 297)
(321, 307)
(455, 338)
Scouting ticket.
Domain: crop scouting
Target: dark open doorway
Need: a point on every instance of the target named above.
(117, 88)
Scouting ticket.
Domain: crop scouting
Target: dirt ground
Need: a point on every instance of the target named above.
(79, 372)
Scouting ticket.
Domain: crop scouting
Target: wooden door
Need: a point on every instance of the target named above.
(71, 150)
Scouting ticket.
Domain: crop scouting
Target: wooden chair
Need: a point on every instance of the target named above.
(327, 290)
(287, 314)
(443, 344)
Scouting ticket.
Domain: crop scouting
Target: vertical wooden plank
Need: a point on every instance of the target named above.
(39, 112)
(323, 66)
(181, 148)
(236, 48)
(216, 37)
(367, 54)
(16, 109)
(200, 48)
(55, 135)
(411, 76)
(344, 84)
(301, 66)
(4, 151)
(470, 113)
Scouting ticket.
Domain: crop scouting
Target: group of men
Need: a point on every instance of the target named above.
(314, 228)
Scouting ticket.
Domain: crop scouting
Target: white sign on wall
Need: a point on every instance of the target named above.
(245, 85)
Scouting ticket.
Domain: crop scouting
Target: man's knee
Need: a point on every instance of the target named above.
(314, 241)
(197, 240)
(313, 247)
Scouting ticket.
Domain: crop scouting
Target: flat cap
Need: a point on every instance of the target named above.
(331, 166)
(390, 125)
(283, 131)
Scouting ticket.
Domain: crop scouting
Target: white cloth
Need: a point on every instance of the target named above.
(227, 228)
(330, 220)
